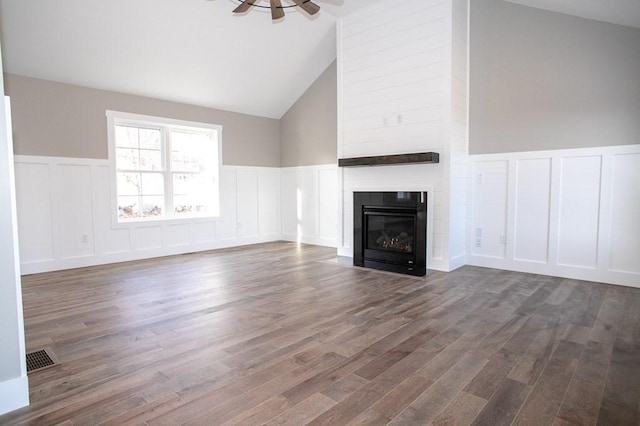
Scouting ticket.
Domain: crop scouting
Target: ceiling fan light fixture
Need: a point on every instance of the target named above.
(277, 9)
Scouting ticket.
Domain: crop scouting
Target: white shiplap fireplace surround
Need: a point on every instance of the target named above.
(402, 88)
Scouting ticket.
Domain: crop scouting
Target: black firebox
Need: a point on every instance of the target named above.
(390, 231)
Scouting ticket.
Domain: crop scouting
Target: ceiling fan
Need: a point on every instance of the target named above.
(277, 9)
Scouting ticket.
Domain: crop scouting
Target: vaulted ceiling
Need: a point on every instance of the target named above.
(193, 51)
(621, 12)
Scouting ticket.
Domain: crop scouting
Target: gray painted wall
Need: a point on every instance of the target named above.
(543, 80)
(62, 120)
(309, 130)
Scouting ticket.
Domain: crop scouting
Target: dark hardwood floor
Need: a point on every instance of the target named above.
(285, 334)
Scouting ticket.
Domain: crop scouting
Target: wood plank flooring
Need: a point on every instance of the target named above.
(282, 334)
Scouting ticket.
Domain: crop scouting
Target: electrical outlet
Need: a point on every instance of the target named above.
(399, 119)
(84, 239)
(478, 242)
(479, 232)
(503, 239)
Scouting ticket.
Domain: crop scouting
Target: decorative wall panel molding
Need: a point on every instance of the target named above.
(309, 204)
(568, 213)
(64, 216)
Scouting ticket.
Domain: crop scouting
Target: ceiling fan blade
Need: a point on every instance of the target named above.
(310, 7)
(277, 11)
(246, 5)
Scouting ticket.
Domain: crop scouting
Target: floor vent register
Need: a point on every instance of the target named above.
(40, 360)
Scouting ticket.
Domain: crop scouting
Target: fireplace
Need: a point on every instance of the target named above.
(390, 231)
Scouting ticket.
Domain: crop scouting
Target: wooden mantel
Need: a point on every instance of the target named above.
(383, 160)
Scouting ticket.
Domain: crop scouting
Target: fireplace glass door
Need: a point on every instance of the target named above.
(389, 231)
(389, 234)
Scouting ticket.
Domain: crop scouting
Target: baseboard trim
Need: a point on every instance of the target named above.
(316, 241)
(457, 262)
(127, 256)
(14, 394)
(627, 279)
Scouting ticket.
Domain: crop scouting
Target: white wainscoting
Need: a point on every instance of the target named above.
(569, 213)
(64, 216)
(309, 204)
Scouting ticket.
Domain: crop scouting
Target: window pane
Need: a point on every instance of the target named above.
(152, 184)
(150, 139)
(184, 184)
(152, 206)
(183, 162)
(127, 159)
(199, 186)
(127, 136)
(128, 207)
(185, 205)
(150, 160)
(192, 152)
(128, 183)
(193, 193)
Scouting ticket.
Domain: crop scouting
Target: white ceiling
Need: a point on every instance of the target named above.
(197, 51)
(191, 51)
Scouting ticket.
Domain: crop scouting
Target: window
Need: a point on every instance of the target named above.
(164, 169)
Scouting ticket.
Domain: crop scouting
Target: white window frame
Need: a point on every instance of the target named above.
(116, 118)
